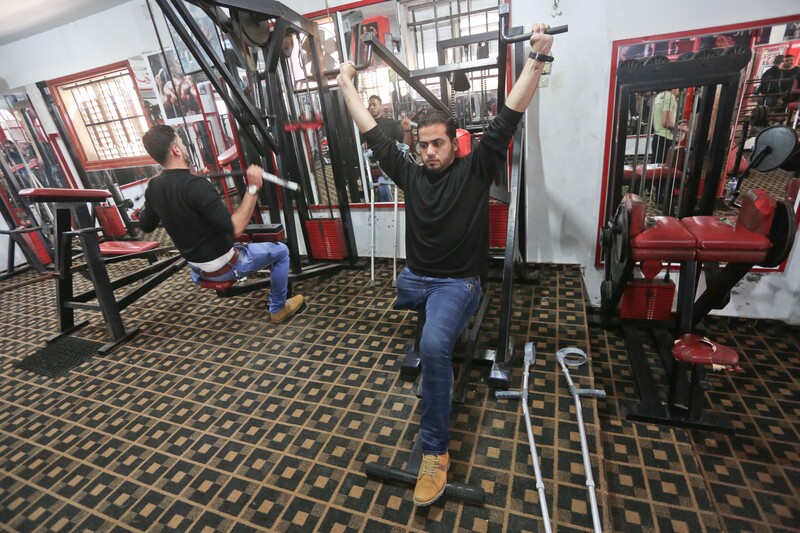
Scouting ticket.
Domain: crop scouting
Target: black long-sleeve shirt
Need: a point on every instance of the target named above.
(447, 214)
(192, 213)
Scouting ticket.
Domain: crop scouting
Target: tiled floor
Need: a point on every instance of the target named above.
(212, 419)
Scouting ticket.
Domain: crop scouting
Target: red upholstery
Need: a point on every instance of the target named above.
(736, 241)
(217, 285)
(627, 173)
(698, 350)
(126, 247)
(665, 240)
(269, 237)
(656, 172)
(637, 213)
(110, 220)
(731, 169)
(659, 238)
(45, 194)
(464, 140)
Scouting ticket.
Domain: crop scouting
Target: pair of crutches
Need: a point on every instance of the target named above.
(566, 358)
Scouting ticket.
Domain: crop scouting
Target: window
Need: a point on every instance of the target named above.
(105, 117)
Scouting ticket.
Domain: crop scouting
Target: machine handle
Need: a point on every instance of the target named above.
(272, 178)
(505, 39)
(360, 66)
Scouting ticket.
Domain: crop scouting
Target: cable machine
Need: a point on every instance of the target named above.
(257, 36)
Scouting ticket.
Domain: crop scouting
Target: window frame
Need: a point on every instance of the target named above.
(103, 164)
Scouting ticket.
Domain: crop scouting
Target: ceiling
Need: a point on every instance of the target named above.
(23, 18)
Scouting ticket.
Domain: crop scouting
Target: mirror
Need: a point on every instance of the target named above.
(687, 111)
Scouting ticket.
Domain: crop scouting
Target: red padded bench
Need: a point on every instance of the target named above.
(70, 205)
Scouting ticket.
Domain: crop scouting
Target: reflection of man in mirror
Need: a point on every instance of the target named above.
(390, 128)
(771, 81)
(665, 110)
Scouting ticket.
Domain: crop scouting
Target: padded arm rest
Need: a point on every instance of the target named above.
(45, 194)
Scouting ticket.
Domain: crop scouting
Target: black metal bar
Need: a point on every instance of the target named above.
(358, 66)
(505, 38)
(727, 280)
(719, 148)
(180, 18)
(444, 70)
(164, 270)
(271, 8)
(395, 64)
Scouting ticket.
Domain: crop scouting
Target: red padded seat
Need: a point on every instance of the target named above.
(657, 171)
(698, 350)
(665, 239)
(658, 238)
(46, 194)
(127, 247)
(736, 240)
(217, 285)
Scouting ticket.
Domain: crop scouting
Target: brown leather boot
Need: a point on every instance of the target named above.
(290, 307)
(432, 479)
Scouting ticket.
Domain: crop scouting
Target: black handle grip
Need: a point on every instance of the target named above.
(360, 66)
(504, 38)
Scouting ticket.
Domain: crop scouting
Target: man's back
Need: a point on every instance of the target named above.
(192, 213)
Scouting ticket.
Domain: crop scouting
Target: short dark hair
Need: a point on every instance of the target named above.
(430, 118)
(778, 59)
(375, 97)
(789, 56)
(157, 141)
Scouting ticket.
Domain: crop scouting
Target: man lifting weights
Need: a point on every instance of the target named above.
(202, 228)
(447, 238)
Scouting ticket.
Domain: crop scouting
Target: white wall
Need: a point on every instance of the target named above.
(566, 122)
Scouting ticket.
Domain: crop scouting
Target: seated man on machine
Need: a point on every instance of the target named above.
(202, 228)
(447, 239)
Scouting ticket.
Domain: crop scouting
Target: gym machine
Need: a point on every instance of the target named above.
(267, 114)
(688, 233)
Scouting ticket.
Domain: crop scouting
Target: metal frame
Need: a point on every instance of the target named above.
(264, 128)
(708, 74)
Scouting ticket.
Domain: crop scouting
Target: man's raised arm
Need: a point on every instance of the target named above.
(521, 94)
(355, 106)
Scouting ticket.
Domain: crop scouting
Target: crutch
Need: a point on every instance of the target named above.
(396, 243)
(372, 187)
(522, 394)
(576, 357)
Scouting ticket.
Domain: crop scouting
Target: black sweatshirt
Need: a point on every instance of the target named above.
(447, 214)
(192, 212)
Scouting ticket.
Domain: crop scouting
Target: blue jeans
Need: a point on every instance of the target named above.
(257, 256)
(448, 304)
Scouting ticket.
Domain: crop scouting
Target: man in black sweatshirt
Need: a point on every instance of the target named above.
(447, 239)
(203, 229)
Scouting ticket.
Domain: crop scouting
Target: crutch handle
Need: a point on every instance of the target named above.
(592, 393)
(507, 395)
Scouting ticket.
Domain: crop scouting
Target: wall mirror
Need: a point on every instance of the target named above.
(687, 109)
